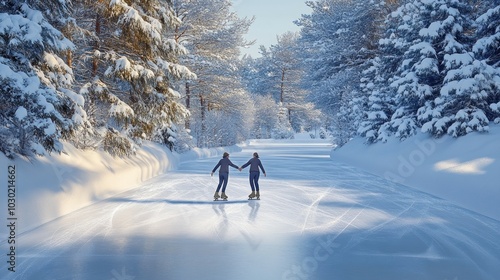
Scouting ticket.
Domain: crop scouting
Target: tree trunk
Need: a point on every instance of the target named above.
(203, 117)
(188, 104)
(69, 52)
(282, 86)
(69, 58)
(282, 92)
(95, 62)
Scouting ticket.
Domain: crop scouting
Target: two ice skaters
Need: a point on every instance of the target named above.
(224, 164)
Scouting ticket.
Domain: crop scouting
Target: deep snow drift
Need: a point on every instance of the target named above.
(463, 170)
(55, 185)
(317, 220)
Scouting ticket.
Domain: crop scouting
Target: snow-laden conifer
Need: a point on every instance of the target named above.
(338, 41)
(127, 63)
(38, 104)
(459, 106)
(486, 50)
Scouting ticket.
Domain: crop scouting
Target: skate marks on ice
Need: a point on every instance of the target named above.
(146, 237)
(316, 220)
(394, 236)
(353, 225)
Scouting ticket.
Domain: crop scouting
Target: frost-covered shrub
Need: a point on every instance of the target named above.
(283, 129)
(117, 144)
(266, 112)
(175, 137)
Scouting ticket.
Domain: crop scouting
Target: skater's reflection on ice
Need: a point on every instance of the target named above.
(254, 208)
(223, 226)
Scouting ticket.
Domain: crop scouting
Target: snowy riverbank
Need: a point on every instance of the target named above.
(464, 171)
(53, 186)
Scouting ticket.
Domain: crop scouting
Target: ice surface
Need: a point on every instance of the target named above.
(316, 220)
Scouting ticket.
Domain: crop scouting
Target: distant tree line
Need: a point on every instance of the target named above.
(109, 74)
(381, 69)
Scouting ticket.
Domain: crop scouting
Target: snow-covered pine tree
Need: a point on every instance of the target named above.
(348, 116)
(145, 28)
(488, 33)
(458, 109)
(129, 63)
(417, 74)
(439, 83)
(254, 74)
(37, 106)
(283, 129)
(486, 50)
(379, 103)
(379, 106)
(319, 51)
(338, 39)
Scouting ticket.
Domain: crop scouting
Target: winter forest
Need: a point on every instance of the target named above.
(109, 74)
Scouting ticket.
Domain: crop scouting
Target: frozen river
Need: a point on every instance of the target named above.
(315, 220)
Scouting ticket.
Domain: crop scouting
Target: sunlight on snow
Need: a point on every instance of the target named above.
(469, 167)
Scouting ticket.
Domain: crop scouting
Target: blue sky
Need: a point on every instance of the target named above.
(272, 17)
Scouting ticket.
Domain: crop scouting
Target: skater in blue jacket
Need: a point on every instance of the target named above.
(224, 164)
(255, 164)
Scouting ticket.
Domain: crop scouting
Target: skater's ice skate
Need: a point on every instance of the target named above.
(216, 196)
(257, 195)
(223, 196)
(252, 195)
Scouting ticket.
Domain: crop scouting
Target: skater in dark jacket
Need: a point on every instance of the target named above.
(255, 164)
(224, 164)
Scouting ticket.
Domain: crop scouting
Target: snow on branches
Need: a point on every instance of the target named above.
(38, 107)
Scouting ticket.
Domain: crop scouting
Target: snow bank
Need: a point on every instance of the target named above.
(464, 171)
(197, 153)
(53, 186)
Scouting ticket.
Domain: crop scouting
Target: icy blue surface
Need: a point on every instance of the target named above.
(315, 220)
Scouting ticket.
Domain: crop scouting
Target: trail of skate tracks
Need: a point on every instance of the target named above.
(316, 220)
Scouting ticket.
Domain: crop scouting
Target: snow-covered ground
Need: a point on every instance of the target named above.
(317, 219)
(462, 170)
(59, 184)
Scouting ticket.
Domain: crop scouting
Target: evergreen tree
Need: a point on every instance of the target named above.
(488, 33)
(37, 105)
(458, 107)
(426, 75)
(256, 73)
(380, 103)
(337, 40)
(128, 65)
(487, 50)
(417, 74)
(283, 129)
